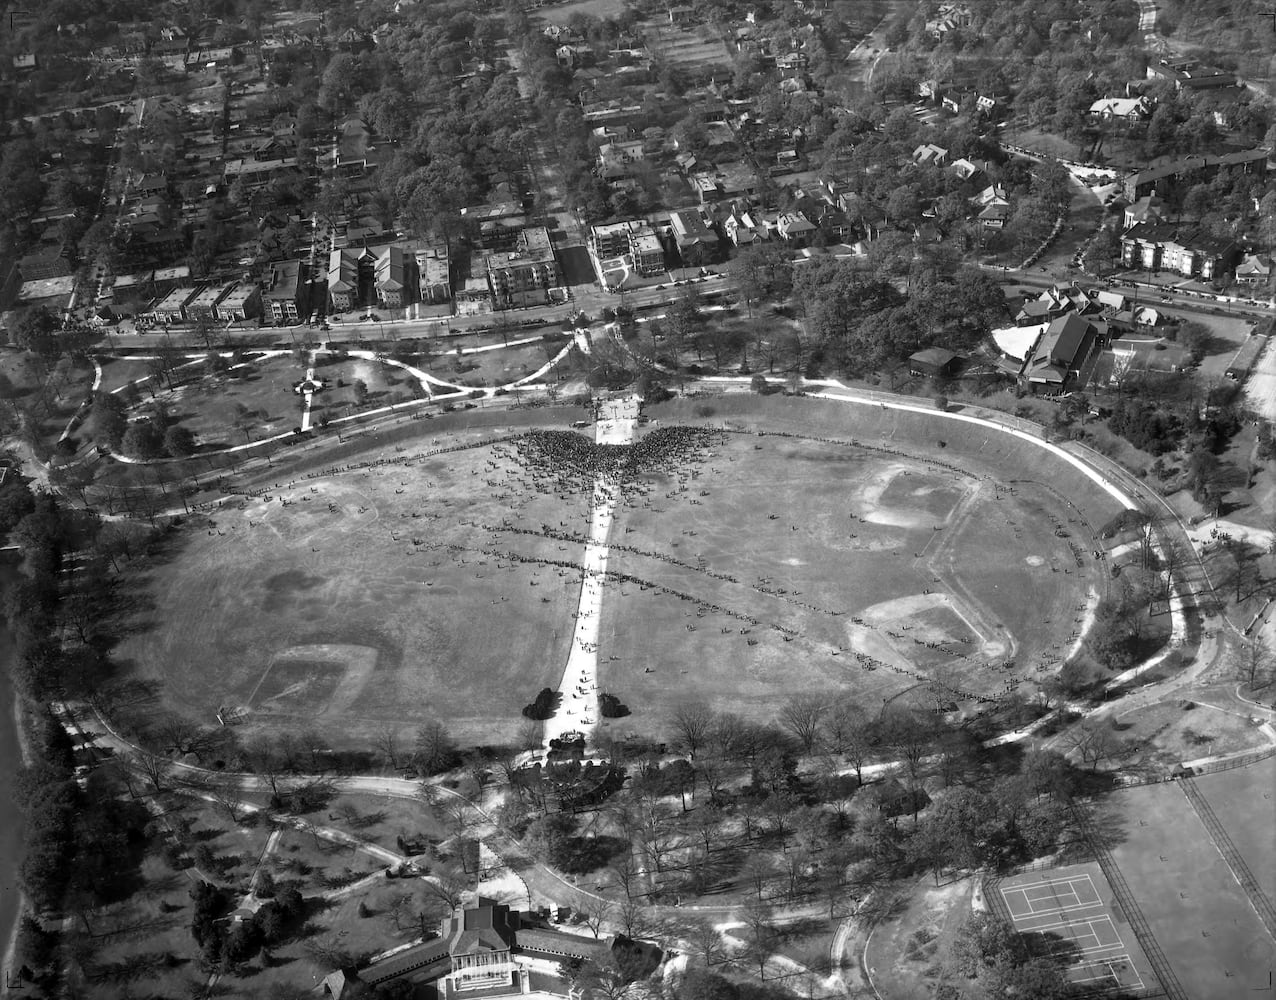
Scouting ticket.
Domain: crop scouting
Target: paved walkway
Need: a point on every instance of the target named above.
(616, 423)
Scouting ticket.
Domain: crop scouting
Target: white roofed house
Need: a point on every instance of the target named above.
(1126, 109)
(1254, 270)
(795, 228)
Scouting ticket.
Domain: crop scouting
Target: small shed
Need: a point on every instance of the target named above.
(934, 361)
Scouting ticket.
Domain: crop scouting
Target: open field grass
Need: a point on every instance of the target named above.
(1164, 735)
(258, 399)
(443, 587)
(927, 570)
(369, 598)
(1201, 918)
(1245, 802)
(492, 367)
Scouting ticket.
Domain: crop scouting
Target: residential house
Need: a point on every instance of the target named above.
(1164, 247)
(743, 228)
(25, 62)
(527, 275)
(647, 251)
(930, 153)
(285, 292)
(1149, 208)
(795, 228)
(203, 304)
(151, 184)
(394, 281)
(343, 278)
(1060, 353)
(172, 307)
(949, 17)
(692, 236)
(618, 159)
(1126, 109)
(1254, 270)
(49, 260)
(434, 278)
(240, 301)
(969, 172)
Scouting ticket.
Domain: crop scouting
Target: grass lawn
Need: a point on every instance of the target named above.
(326, 864)
(389, 595)
(1201, 918)
(492, 367)
(385, 384)
(1166, 735)
(118, 372)
(236, 847)
(944, 578)
(258, 400)
(370, 598)
(908, 947)
(383, 820)
(52, 392)
(1243, 801)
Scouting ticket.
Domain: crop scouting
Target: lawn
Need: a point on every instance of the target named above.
(384, 820)
(1164, 735)
(492, 367)
(908, 947)
(375, 596)
(256, 401)
(1201, 918)
(52, 392)
(443, 586)
(762, 571)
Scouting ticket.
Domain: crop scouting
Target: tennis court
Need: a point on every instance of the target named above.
(1070, 911)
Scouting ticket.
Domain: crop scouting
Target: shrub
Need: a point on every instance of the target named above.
(941, 403)
(543, 707)
(611, 707)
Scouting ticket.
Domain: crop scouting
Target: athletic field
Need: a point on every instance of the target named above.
(891, 555)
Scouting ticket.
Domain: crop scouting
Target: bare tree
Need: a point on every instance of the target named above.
(230, 797)
(758, 917)
(625, 871)
(802, 715)
(594, 915)
(705, 940)
(386, 743)
(693, 722)
(153, 768)
(265, 760)
(449, 885)
(1254, 663)
(1094, 742)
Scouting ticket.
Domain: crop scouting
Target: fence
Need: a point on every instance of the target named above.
(1130, 907)
(1240, 870)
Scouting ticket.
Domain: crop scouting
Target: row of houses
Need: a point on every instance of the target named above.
(229, 303)
(396, 275)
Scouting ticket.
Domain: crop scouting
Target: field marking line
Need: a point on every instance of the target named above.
(1050, 894)
(1005, 895)
(1109, 974)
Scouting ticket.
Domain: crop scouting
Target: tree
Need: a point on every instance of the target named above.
(1254, 663)
(1094, 742)
(178, 441)
(386, 743)
(802, 715)
(693, 722)
(34, 330)
(434, 751)
(759, 919)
